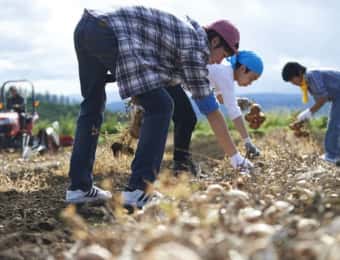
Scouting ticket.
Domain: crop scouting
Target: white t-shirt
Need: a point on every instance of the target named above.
(221, 77)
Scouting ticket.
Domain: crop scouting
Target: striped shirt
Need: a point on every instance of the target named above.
(156, 49)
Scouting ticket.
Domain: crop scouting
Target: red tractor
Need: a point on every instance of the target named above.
(17, 114)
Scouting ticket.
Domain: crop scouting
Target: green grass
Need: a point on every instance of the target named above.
(114, 123)
(274, 120)
(67, 116)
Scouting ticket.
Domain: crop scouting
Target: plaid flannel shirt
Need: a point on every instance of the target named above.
(156, 49)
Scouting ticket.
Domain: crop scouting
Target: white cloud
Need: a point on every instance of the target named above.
(37, 35)
(301, 59)
(65, 87)
(6, 65)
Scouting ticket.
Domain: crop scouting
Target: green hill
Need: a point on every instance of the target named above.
(67, 114)
(52, 112)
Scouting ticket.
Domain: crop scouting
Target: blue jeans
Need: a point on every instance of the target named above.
(184, 119)
(158, 106)
(332, 138)
(96, 48)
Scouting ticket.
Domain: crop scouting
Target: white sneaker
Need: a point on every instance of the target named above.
(94, 195)
(326, 158)
(138, 198)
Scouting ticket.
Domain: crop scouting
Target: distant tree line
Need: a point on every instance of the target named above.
(63, 109)
(54, 99)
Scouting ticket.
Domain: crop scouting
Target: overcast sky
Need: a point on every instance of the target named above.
(36, 36)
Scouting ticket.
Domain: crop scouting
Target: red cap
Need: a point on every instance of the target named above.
(228, 32)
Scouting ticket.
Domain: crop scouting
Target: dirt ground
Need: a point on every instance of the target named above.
(288, 208)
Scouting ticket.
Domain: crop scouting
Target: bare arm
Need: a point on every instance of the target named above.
(240, 127)
(319, 103)
(219, 126)
(238, 121)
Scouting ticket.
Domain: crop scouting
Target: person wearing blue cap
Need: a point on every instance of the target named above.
(244, 68)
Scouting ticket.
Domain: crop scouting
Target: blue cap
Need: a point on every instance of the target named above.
(248, 59)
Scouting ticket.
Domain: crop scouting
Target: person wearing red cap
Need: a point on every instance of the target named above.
(184, 117)
(145, 50)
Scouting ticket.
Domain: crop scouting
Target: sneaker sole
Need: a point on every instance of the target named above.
(331, 162)
(98, 202)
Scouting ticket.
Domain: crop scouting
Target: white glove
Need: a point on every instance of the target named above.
(238, 161)
(250, 147)
(304, 115)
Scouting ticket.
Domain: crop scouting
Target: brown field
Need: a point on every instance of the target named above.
(288, 208)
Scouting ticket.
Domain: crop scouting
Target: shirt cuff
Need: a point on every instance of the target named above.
(233, 114)
(207, 104)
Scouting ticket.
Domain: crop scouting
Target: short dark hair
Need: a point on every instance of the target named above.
(292, 69)
(212, 34)
(237, 65)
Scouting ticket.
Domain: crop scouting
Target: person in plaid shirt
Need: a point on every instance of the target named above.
(145, 50)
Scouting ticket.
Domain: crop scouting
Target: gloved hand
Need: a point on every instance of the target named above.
(238, 161)
(250, 147)
(304, 115)
(243, 103)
